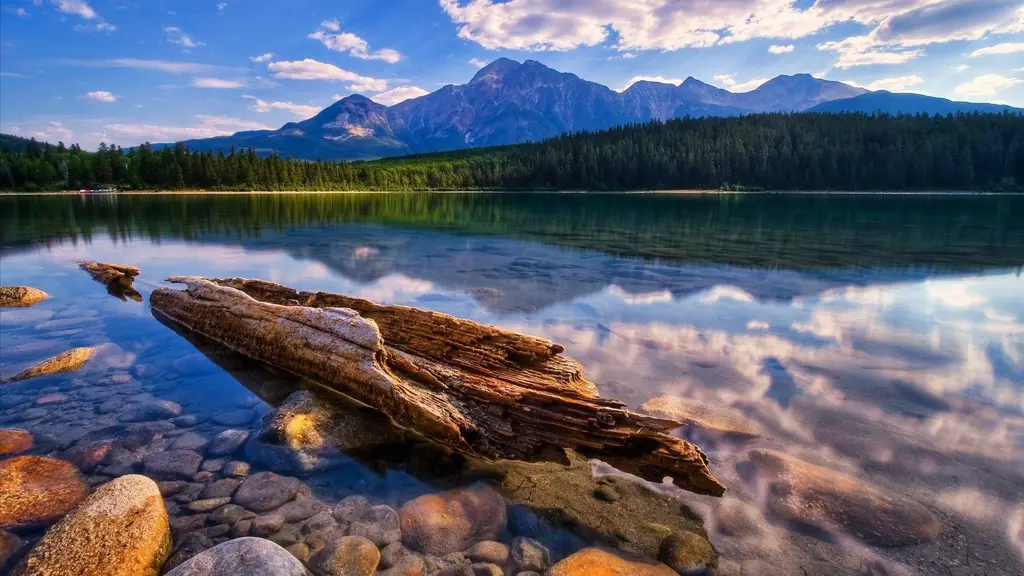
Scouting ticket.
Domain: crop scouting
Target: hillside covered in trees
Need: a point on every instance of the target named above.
(765, 151)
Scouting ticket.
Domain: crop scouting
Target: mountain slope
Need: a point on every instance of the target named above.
(509, 102)
(894, 103)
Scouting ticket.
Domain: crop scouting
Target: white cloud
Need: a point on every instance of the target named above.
(725, 79)
(200, 82)
(262, 58)
(962, 67)
(300, 110)
(310, 69)
(101, 96)
(478, 62)
(895, 84)
(1005, 48)
(862, 51)
(399, 94)
(331, 36)
(660, 79)
(159, 65)
(748, 85)
(776, 49)
(178, 36)
(19, 11)
(207, 127)
(51, 132)
(986, 85)
(75, 7)
(221, 6)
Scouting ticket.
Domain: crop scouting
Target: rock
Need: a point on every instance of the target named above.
(121, 529)
(489, 551)
(709, 418)
(88, 455)
(606, 493)
(10, 547)
(208, 505)
(214, 532)
(285, 536)
(170, 488)
(14, 442)
(190, 545)
(37, 491)
(202, 477)
(831, 501)
(300, 551)
(230, 514)
(346, 556)
(21, 296)
(688, 554)
(734, 517)
(236, 469)
(249, 556)
(350, 508)
(153, 410)
(184, 524)
(321, 521)
(223, 488)
(187, 421)
(528, 554)
(378, 524)
(266, 525)
(450, 521)
(109, 406)
(171, 464)
(601, 562)
(69, 361)
(234, 417)
(52, 399)
(190, 441)
(297, 510)
(241, 529)
(212, 465)
(265, 491)
(484, 569)
(227, 442)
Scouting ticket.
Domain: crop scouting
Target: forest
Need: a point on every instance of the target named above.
(755, 152)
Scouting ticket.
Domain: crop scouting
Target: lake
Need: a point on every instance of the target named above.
(878, 339)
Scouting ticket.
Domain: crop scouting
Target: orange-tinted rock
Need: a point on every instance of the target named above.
(20, 296)
(600, 562)
(454, 520)
(833, 501)
(64, 362)
(87, 456)
(119, 530)
(37, 491)
(14, 442)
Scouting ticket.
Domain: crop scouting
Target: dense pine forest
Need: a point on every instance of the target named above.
(765, 151)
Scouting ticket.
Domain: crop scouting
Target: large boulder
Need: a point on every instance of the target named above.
(308, 434)
(249, 556)
(601, 562)
(14, 442)
(831, 501)
(453, 520)
(121, 529)
(20, 296)
(37, 491)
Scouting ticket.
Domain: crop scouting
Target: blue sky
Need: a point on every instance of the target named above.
(127, 71)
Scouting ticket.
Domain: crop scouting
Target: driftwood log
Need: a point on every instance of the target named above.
(118, 278)
(472, 387)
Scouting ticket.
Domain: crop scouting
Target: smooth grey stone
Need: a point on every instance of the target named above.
(249, 556)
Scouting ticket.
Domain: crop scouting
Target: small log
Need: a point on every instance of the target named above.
(474, 388)
(118, 278)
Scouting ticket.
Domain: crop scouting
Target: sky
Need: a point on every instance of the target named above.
(129, 71)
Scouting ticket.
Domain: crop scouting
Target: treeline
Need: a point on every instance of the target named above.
(766, 151)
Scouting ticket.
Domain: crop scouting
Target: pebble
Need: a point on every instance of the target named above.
(489, 551)
(297, 510)
(52, 399)
(688, 554)
(236, 469)
(172, 464)
(378, 524)
(266, 491)
(528, 554)
(212, 465)
(346, 556)
(300, 551)
(190, 441)
(230, 514)
(606, 493)
(350, 508)
(223, 488)
(227, 442)
(241, 528)
(187, 421)
(266, 525)
(321, 521)
(148, 411)
(207, 505)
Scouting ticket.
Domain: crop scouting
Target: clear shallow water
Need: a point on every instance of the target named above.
(880, 337)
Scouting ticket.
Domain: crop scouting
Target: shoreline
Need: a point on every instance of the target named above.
(572, 192)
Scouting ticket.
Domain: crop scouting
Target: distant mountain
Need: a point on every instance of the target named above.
(894, 103)
(508, 102)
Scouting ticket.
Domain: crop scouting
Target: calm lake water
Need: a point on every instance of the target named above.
(878, 336)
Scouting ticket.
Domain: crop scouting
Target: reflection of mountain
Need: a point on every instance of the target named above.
(794, 232)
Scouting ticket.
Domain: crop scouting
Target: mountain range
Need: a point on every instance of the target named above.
(509, 102)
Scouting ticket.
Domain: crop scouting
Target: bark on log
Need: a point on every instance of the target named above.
(472, 387)
(118, 278)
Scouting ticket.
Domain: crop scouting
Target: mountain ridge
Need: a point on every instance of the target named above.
(508, 102)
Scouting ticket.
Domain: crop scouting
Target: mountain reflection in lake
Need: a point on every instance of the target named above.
(880, 337)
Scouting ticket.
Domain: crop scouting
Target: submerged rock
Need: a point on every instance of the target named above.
(172, 464)
(153, 410)
(346, 556)
(20, 296)
(69, 361)
(832, 501)
(706, 417)
(689, 554)
(530, 555)
(305, 435)
(14, 442)
(601, 562)
(249, 556)
(37, 491)
(378, 524)
(453, 520)
(227, 442)
(119, 530)
(265, 491)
